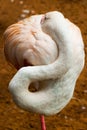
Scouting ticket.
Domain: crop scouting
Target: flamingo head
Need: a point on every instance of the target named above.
(52, 21)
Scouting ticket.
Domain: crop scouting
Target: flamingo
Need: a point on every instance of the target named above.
(47, 50)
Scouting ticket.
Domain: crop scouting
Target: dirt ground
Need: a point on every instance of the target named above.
(74, 115)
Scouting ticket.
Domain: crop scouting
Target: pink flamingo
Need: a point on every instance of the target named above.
(54, 47)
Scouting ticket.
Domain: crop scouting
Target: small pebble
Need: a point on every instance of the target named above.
(21, 111)
(23, 15)
(32, 12)
(71, 119)
(12, 1)
(65, 117)
(83, 107)
(26, 11)
(85, 91)
(21, 2)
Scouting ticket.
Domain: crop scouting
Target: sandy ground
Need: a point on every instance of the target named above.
(74, 116)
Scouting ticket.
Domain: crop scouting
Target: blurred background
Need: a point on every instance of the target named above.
(74, 116)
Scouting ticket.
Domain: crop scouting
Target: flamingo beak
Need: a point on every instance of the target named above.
(42, 19)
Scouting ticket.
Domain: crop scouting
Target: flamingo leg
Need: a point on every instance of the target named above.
(43, 125)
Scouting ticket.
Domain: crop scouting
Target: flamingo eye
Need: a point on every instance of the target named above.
(46, 17)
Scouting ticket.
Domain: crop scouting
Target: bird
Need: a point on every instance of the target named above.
(47, 49)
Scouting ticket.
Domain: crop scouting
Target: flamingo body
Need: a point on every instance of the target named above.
(57, 76)
(26, 44)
